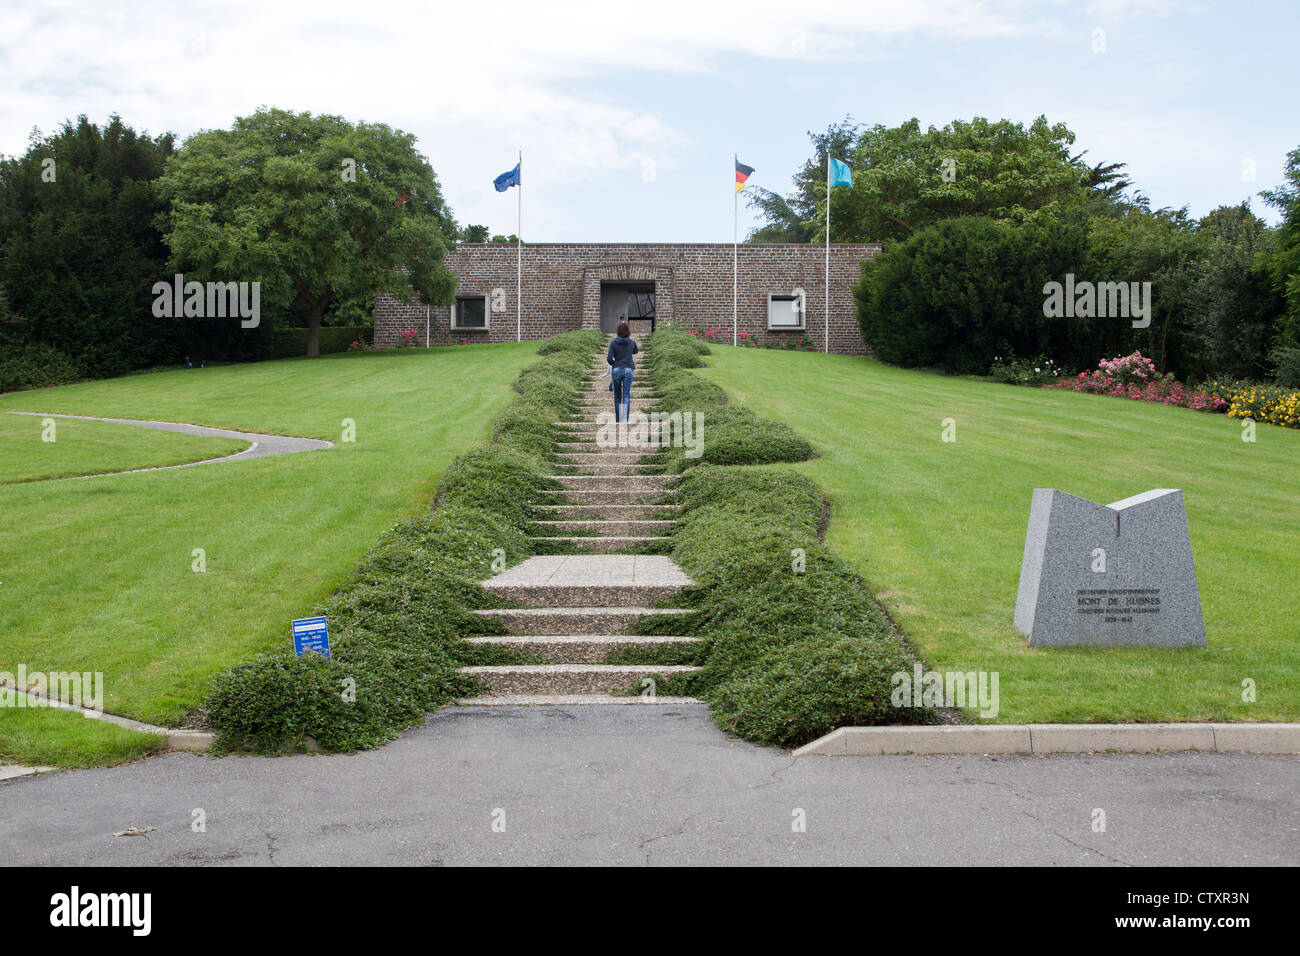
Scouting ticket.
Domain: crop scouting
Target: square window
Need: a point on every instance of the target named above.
(470, 312)
(785, 311)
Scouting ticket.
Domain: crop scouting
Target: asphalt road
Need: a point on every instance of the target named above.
(653, 785)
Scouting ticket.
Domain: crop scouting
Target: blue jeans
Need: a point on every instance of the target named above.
(621, 378)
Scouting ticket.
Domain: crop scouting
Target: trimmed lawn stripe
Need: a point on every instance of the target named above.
(93, 448)
(939, 528)
(97, 574)
(59, 738)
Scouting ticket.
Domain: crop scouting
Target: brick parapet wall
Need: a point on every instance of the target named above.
(693, 288)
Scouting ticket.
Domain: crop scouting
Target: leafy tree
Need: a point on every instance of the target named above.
(500, 239)
(315, 208)
(1236, 307)
(1105, 178)
(795, 218)
(1107, 185)
(957, 294)
(1164, 248)
(1284, 263)
(78, 249)
(905, 179)
(474, 234)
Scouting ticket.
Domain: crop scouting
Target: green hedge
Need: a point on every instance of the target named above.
(732, 435)
(35, 366)
(793, 643)
(292, 343)
(396, 623)
(959, 293)
(581, 342)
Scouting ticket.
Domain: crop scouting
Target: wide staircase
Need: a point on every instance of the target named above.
(576, 609)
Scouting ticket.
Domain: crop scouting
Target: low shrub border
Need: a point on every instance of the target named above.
(734, 435)
(793, 643)
(396, 623)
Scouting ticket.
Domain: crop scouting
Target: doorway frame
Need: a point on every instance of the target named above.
(629, 272)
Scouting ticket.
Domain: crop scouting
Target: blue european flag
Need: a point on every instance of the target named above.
(506, 180)
(841, 175)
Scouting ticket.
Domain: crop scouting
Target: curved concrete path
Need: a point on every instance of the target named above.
(260, 446)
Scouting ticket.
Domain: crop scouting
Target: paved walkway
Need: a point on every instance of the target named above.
(260, 446)
(576, 610)
(653, 785)
(560, 570)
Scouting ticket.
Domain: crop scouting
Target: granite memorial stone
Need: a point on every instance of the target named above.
(1117, 575)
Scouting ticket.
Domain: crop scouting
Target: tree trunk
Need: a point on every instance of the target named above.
(313, 331)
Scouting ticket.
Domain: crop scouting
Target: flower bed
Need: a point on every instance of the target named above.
(1262, 403)
(1135, 377)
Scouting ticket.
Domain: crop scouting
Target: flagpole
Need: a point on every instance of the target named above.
(735, 232)
(828, 252)
(519, 254)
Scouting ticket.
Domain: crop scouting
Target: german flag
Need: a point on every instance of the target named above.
(742, 174)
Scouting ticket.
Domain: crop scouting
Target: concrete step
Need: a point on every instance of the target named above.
(570, 700)
(577, 468)
(573, 620)
(579, 648)
(600, 440)
(606, 544)
(617, 496)
(609, 512)
(624, 483)
(606, 526)
(594, 451)
(588, 431)
(601, 403)
(578, 462)
(577, 595)
(603, 444)
(568, 678)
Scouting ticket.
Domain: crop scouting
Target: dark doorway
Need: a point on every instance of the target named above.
(630, 302)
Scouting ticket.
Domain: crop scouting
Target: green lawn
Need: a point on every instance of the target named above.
(938, 529)
(92, 448)
(61, 738)
(97, 575)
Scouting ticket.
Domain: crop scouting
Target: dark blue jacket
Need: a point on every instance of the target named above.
(620, 353)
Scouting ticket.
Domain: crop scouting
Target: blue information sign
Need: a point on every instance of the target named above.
(311, 634)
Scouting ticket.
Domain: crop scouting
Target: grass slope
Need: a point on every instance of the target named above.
(60, 738)
(93, 448)
(939, 528)
(97, 575)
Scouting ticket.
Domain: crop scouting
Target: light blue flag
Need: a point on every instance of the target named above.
(841, 175)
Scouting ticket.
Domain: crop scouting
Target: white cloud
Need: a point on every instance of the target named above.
(198, 65)
(474, 81)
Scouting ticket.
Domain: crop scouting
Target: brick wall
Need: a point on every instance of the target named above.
(561, 288)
